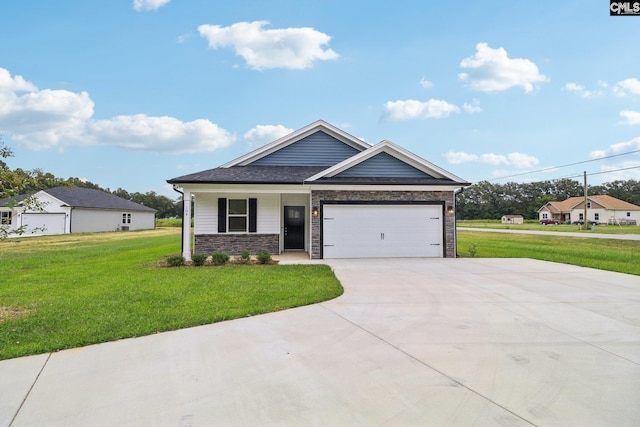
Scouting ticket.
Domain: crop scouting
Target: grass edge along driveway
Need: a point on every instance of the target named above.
(60, 292)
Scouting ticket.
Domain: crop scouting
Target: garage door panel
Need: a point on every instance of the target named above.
(44, 223)
(366, 231)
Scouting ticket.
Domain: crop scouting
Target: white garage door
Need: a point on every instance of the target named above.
(46, 223)
(382, 231)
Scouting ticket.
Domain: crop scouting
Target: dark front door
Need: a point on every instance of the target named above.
(293, 227)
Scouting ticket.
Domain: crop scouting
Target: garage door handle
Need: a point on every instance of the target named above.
(435, 244)
(326, 219)
(327, 246)
(435, 217)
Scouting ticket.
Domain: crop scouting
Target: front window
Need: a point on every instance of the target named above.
(588, 205)
(237, 215)
(597, 216)
(5, 218)
(581, 217)
(628, 214)
(126, 218)
(545, 216)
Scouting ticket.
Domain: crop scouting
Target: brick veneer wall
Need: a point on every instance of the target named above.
(234, 244)
(444, 197)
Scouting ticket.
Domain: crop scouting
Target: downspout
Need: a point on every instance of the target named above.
(455, 222)
(175, 188)
(70, 221)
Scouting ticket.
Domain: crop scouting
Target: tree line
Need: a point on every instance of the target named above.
(486, 200)
(14, 182)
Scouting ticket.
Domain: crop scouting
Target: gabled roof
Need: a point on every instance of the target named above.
(431, 171)
(322, 154)
(607, 202)
(296, 136)
(79, 197)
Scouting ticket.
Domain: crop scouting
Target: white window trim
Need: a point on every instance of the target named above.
(245, 215)
(6, 217)
(126, 217)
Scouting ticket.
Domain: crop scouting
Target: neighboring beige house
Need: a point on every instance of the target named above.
(76, 210)
(512, 219)
(601, 209)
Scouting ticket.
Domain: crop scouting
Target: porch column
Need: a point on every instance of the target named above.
(186, 225)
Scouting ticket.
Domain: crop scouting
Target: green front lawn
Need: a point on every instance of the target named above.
(536, 226)
(61, 292)
(606, 254)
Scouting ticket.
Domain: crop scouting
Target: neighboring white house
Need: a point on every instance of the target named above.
(322, 191)
(512, 219)
(601, 209)
(76, 210)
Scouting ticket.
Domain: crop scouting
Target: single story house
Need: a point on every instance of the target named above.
(601, 209)
(324, 192)
(75, 210)
(512, 219)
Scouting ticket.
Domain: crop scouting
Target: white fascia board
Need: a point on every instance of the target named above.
(296, 136)
(393, 150)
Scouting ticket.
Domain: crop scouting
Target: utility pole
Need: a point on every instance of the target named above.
(585, 223)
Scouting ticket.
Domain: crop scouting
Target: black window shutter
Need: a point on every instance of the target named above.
(253, 215)
(222, 215)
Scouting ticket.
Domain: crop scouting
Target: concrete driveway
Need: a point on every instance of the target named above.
(413, 342)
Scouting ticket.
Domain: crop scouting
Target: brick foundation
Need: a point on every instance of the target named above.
(234, 244)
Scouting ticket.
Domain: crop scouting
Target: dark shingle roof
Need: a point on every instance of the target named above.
(251, 175)
(79, 197)
(89, 198)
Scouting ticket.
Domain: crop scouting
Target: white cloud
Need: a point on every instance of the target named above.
(517, 160)
(627, 86)
(621, 167)
(411, 109)
(631, 117)
(146, 5)
(426, 84)
(492, 70)
(164, 134)
(620, 147)
(263, 134)
(580, 90)
(474, 107)
(45, 119)
(293, 48)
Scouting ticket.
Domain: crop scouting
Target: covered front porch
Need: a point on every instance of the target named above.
(253, 220)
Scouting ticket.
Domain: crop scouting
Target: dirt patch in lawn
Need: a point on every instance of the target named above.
(7, 313)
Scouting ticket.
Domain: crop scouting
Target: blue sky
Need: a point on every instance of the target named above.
(130, 93)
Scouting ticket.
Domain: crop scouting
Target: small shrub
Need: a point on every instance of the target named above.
(472, 250)
(245, 256)
(219, 258)
(198, 259)
(175, 261)
(263, 257)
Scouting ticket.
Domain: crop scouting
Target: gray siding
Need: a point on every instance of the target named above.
(383, 165)
(318, 149)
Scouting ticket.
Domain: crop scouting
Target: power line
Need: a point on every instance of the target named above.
(570, 164)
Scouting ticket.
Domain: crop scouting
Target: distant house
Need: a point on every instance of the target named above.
(601, 209)
(512, 219)
(76, 210)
